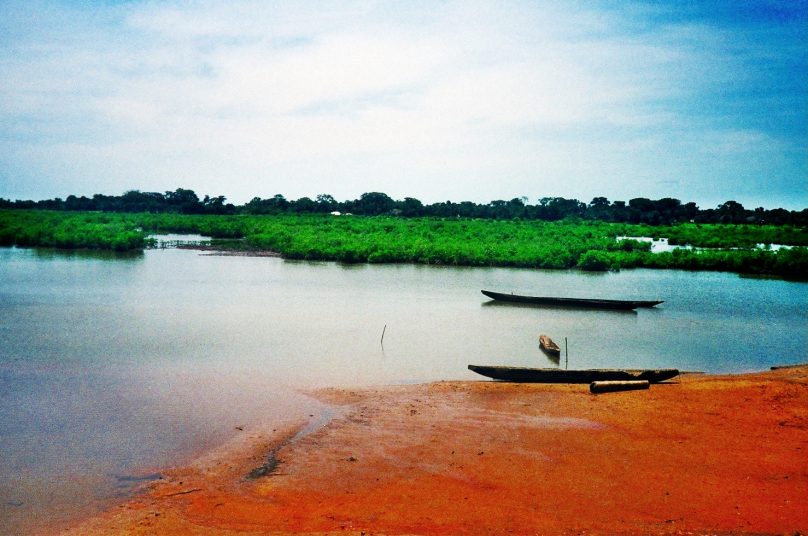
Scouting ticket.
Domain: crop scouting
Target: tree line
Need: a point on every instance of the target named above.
(639, 210)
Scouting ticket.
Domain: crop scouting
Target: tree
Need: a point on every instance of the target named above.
(216, 205)
(278, 203)
(78, 203)
(410, 207)
(304, 204)
(642, 210)
(731, 212)
(557, 208)
(373, 203)
(599, 209)
(595, 261)
(184, 201)
(516, 207)
(325, 203)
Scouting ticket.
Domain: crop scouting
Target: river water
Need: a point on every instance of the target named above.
(114, 366)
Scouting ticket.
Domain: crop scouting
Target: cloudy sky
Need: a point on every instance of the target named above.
(702, 101)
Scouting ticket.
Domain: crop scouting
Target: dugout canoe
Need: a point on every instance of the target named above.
(554, 375)
(549, 346)
(571, 302)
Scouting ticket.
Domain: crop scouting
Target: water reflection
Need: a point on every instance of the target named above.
(75, 438)
(494, 303)
(88, 254)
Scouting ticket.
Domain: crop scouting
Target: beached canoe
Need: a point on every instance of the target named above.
(571, 302)
(548, 345)
(554, 375)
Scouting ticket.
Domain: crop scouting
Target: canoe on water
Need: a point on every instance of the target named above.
(571, 302)
(554, 375)
(548, 345)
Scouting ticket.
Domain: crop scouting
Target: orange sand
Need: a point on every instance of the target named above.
(710, 454)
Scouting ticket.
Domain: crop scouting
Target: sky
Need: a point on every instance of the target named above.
(437, 100)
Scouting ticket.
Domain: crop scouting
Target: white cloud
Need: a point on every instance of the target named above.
(473, 98)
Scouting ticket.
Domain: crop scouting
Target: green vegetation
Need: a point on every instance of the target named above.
(69, 230)
(732, 236)
(586, 245)
(665, 211)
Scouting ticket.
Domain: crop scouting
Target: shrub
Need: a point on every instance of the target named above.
(595, 261)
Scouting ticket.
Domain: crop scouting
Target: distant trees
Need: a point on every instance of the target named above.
(325, 203)
(558, 208)
(410, 207)
(274, 205)
(180, 201)
(639, 210)
(372, 204)
(662, 211)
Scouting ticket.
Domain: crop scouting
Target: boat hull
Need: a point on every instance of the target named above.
(552, 375)
(549, 346)
(571, 302)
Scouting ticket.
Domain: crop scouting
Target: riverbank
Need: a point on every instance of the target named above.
(705, 454)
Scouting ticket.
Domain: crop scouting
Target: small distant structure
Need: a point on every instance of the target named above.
(336, 213)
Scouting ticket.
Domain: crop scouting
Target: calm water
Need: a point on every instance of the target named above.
(111, 367)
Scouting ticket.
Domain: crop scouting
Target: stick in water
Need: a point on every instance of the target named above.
(385, 329)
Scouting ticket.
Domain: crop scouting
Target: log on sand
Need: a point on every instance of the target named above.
(613, 386)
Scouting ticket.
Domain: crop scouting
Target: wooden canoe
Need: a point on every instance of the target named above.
(548, 345)
(571, 302)
(554, 375)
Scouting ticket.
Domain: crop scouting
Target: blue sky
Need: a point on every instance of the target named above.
(466, 100)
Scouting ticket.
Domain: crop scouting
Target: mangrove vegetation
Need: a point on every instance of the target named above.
(567, 243)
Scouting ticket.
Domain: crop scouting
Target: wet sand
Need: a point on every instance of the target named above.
(704, 454)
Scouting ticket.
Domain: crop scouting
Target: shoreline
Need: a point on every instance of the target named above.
(701, 454)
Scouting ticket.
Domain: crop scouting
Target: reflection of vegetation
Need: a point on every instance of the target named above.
(88, 254)
(538, 244)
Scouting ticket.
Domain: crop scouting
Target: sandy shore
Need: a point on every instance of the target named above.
(707, 454)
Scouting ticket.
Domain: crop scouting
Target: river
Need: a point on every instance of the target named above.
(112, 366)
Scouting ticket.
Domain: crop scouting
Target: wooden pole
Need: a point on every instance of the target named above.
(383, 330)
(613, 386)
(566, 354)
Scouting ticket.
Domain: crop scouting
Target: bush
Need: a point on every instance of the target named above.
(595, 261)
